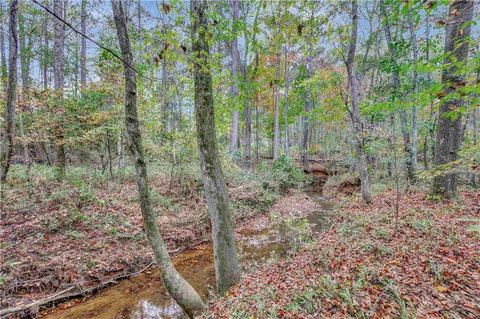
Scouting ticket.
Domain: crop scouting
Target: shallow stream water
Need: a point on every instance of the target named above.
(144, 297)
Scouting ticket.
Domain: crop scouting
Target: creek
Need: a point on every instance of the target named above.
(144, 297)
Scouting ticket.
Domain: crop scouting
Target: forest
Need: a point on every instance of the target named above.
(239, 159)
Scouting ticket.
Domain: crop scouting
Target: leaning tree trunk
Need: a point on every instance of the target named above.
(11, 89)
(356, 122)
(449, 128)
(226, 261)
(178, 288)
(59, 33)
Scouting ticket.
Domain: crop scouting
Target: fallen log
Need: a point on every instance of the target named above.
(65, 295)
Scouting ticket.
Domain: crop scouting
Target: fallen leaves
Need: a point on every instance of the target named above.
(428, 269)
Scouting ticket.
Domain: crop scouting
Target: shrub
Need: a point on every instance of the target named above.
(282, 175)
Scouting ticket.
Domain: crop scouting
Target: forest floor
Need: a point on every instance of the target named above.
(365, 267)
(58, 235)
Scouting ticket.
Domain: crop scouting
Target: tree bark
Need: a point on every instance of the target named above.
(285, 105)
(178, 288)
(25, 48)
(356, 122)
(11, 89)
(276, 112)
(3, 55)
(449, 129)
(225, 253)
(248, 136)
(234, 90)
(83, 47)
(45, 51)
(413, 40)
(59, 33)
(305, 117)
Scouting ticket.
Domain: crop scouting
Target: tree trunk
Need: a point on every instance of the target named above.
(83, 47)
(449, 129)
(413, 40)
(120, 151)
(257, 135)
(25, 48)
(305, 119)
(396, 84)
(164, 99)
(178, 288)
(45, 51)
(225, 253)
(276, 113)
(474, 115)
(248, 136)
(11, 89)
(234, 90)
(3, 73)
(58, 71)
(285, 105)
(356, 122)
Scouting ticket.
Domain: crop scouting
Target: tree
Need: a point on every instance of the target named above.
(396, 85)
(355, 112)
(11, 89)
(83, 49)
(179, 288)
(276, 111)
(58, 72)
(226, 260)
(234, 139)
(3, 58)
(449, 129)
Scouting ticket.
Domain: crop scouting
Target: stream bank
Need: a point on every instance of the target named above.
(143, 296)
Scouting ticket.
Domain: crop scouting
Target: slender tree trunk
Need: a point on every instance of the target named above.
(25, 47)
(59, 83)
(285, 105)
(276, 113)
(474, 124)
(11, 89)
(396, 84)
(474, 115)
(83, 46)
(413, 40)
(234, 139)
(449, 129)
(3, 56)
(120, 151)
(257, 135)
(225, 253)
(165, 98)
(305, 118)
(178, 288)
(45, 51)
(248, 136)
(356, 122)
